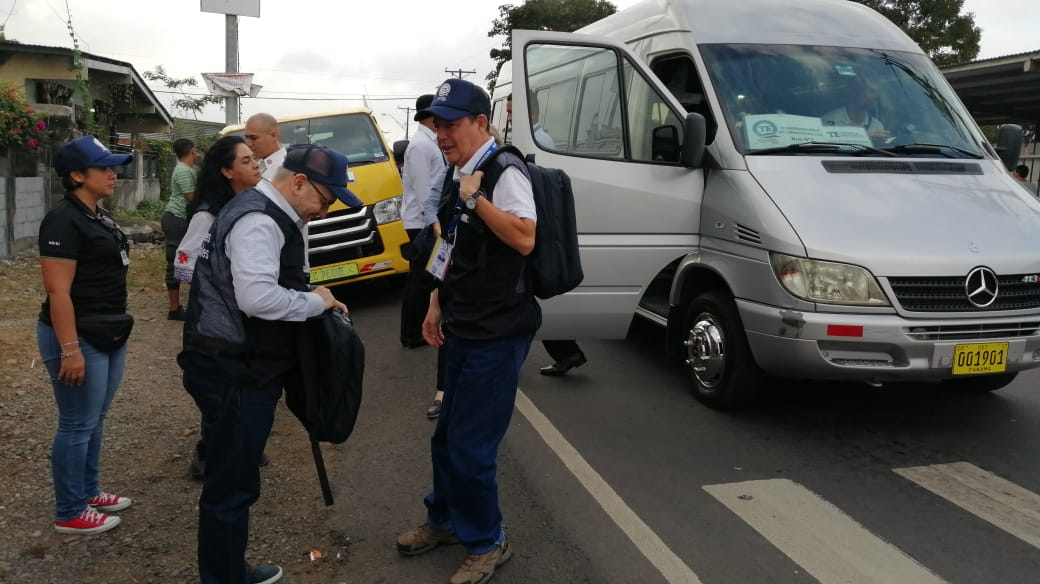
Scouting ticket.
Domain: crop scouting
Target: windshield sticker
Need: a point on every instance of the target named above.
(845, 70)
(772, 130)
(847, 135)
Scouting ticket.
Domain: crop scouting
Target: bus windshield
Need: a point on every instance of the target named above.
(353, 135)
(777, 97)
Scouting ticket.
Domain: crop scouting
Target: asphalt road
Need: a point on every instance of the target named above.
(616, 474)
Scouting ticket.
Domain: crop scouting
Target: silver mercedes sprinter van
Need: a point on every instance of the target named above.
(790, 188)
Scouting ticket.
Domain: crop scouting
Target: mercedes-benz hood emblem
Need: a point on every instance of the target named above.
(981, 286)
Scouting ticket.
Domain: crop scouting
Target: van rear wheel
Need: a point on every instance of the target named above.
(982, 383)
(722, 370)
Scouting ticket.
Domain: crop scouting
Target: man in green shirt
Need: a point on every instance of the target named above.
(175, 218)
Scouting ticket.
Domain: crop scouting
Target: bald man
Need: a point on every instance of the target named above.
(263, 137)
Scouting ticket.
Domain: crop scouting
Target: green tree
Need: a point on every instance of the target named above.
(938, 26)
(190, 103)
(558, 15)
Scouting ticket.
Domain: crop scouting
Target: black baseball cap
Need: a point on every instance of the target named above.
(421, 103)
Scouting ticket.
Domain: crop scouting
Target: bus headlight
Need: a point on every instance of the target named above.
(387, 210)
(828, 282)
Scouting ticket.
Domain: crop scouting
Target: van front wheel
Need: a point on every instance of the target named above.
(722, 371)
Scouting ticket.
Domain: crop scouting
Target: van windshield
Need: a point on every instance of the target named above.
(353, 135)
(775, 97)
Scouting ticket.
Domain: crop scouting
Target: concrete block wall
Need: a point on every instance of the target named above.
(4, 252)
(30, 208)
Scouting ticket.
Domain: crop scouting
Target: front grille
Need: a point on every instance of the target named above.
(961, 332)
(947, 294)
(344, 235)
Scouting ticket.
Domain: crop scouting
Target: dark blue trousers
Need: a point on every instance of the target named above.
(480, 381)
(237, 422)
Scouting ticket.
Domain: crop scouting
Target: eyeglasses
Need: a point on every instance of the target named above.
(325, 203)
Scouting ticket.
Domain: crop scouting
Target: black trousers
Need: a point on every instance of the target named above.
(560, 350)
(416, 300)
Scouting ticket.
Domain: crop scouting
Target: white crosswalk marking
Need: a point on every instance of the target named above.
(816, 535)
(984, 494)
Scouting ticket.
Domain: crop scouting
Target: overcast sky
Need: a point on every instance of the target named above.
(305, 52)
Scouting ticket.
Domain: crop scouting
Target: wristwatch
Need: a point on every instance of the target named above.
(471, 203)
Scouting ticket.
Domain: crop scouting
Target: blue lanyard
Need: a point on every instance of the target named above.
(458, 199)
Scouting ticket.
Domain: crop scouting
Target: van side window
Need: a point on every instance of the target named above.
(679, 74)
(579, 93)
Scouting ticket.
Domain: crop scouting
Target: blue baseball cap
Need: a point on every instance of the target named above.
(322, 165)
(87, 152)
(457, 98)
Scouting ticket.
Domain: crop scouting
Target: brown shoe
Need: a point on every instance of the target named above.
(480, 568)
(423, 539)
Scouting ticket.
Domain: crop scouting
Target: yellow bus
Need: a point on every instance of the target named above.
(351, 245)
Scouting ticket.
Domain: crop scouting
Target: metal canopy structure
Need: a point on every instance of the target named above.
(1001, 90)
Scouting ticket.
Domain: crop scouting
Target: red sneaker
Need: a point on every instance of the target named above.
(89, 521)
(109, 503)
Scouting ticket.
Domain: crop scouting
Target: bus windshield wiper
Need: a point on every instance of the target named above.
(838, 148)
(922, 148)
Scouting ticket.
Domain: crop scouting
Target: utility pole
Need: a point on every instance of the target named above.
(231, 65)
(407, 118)
(458, 72)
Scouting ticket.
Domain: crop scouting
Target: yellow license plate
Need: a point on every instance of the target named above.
(333, 273)
(980, 358)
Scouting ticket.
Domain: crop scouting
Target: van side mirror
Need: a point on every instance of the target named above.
(695, 130)
(1009, 145)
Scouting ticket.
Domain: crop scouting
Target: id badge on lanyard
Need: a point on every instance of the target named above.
(440, 258)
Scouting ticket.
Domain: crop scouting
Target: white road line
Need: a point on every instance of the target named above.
(984, 494)
(670, 565)
(818, 536)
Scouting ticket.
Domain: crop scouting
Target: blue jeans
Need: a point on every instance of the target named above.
(237, 422)
(76, 452)
(480, 380)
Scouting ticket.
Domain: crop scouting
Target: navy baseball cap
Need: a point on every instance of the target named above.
(87, 152)
(457, 98)
(322, 165)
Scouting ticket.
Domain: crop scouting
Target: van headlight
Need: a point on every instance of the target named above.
(829, 282)
(387, 210)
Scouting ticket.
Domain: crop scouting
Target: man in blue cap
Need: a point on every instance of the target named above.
(249, 295)
(484, 315)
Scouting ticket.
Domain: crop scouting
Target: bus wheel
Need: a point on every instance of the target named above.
(722, 371)
(982, 383)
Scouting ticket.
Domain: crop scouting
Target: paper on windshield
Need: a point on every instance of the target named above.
(777, 130)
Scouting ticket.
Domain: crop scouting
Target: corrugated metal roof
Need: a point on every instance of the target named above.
(999, 90)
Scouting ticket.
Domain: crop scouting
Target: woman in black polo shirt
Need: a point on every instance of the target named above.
(83, 328)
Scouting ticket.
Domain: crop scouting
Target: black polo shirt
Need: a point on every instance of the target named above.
(71, 231)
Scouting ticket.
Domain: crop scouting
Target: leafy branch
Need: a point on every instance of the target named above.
(186, 103)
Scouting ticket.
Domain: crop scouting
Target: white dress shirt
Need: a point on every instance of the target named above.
(424, 170)
(270, 165)
(512, 192)
(254, 246)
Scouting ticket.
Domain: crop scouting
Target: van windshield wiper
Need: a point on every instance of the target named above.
(922, 148)
(838, 148)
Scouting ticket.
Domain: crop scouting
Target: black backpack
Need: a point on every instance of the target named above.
(555, 260)
(327, 396)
